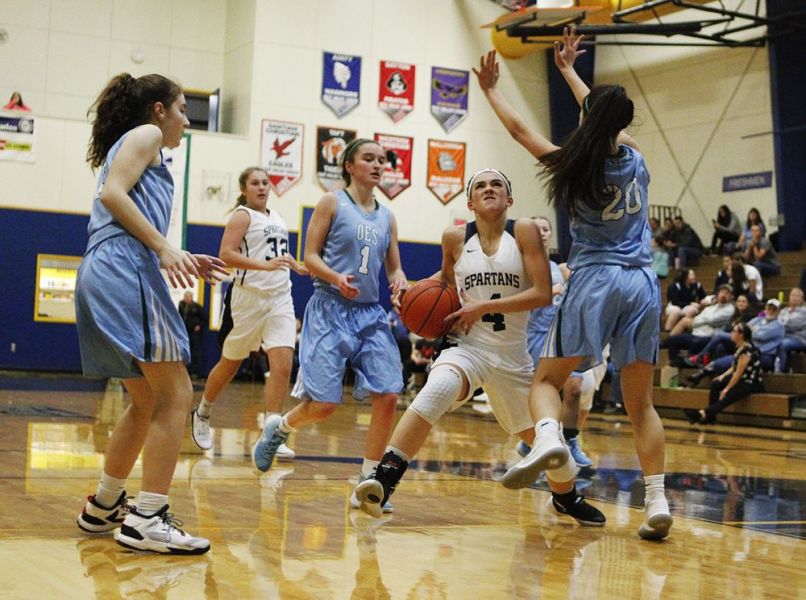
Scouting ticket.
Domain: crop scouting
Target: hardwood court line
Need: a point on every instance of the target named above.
(764, 522)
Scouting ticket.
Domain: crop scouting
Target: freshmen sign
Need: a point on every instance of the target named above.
(281, 153)
(397, 170)
(396, 93)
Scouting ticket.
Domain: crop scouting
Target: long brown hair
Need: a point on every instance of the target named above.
(348, 156)
(575, 172)
(122, 105)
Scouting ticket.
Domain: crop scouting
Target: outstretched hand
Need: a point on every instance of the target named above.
(211, 268)
(179, 265)
(487, 73)
(565, 55)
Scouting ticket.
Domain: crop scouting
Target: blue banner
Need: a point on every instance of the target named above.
(748, 181)
(341, 82)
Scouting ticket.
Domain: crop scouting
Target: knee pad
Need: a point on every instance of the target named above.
(441, 390)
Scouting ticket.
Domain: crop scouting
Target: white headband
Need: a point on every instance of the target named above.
(497, 172)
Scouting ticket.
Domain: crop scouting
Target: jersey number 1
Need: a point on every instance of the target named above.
(364, 261)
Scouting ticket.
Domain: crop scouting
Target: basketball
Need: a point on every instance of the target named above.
(425, 306)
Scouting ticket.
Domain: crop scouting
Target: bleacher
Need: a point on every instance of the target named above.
(783, 403)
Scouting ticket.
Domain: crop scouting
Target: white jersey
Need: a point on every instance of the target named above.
(483, 277)
(266, 238)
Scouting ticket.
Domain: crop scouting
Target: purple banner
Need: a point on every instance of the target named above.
(449, 96)
(748, 181)
(341, 82)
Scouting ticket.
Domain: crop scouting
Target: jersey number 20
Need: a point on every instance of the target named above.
(632, 203)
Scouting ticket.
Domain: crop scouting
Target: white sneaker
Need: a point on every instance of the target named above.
(285, 453)
(159, 533)
(548, 452)
(200, 430)
(658, 519)
(356, 503)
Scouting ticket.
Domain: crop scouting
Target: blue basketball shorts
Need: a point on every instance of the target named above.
(336, 332)
(607, 304)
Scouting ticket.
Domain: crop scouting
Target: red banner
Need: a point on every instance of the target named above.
(446, 169)
(396, 94)
(397, 172)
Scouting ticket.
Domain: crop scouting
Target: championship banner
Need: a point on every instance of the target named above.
(396, 94)
(341, 82)
(330, 144)
(446, 169)
(449, 96)
(397, 170)
(17, 138)
(281, 153)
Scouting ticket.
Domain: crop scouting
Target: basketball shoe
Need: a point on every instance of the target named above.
(356, 503)
(577, 453)
(95, 518)
(548, 452)
(284, 453)
(575, 506)
(200, 430)
(658, 519)
(373, 493)
(270, 440)
(159, 533)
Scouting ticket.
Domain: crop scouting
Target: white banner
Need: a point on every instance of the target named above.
(281, 153)
(17, 137)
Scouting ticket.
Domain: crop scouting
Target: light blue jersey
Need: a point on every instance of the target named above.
(613, 296)
(124, 311)
(619, 234)
(540, 318)
(356, 245)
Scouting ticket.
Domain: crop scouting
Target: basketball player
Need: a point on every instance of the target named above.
(613, 296)
(128, 325)
(502, 272)
(536, 329)
(350, 237)
(255, 241)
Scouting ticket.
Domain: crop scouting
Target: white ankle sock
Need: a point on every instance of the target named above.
(284, 426)
(369, 466)
(148, 503)
(547, 427)
(109, 490)
(204, 408)
(655, 494)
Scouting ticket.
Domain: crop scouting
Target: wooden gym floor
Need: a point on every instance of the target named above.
(737, 495)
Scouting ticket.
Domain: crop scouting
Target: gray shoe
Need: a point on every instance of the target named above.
(268, 443)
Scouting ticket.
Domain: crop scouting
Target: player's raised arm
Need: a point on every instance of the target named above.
(487, 76)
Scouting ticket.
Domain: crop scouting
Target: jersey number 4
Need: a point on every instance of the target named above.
(497, 319)
(632, 203)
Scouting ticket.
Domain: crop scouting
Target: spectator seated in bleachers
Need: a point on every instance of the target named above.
(422, 356)
(727, 229)
(710, 320)
(721, 343)
(753, 277)
(683, 243)
(758, 251)
(793, 318)
(733, 273)
(660, 260)
(753, 218)
(661, 234)
(768, 333)
(739, 381)
(685, 295)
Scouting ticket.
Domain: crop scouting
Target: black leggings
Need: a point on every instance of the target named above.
(736, 393)
(721, 238)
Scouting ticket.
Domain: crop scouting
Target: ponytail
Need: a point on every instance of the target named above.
(122, 105)
(242, 179)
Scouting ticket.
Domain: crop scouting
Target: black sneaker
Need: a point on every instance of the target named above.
(374, 492)
(584, 513)
(694, 417)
